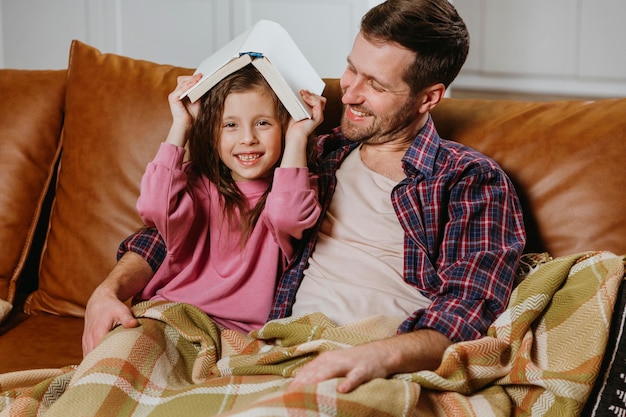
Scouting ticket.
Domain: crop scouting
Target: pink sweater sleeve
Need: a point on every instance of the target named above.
(164, 201)
(291, 206)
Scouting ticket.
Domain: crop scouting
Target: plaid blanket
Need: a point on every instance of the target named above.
(541, 357)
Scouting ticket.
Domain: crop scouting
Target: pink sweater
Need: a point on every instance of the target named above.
(205, 263)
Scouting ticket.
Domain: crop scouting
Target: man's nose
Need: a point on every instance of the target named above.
(352, 92)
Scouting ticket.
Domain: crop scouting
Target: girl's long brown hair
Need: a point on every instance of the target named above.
(204, 143)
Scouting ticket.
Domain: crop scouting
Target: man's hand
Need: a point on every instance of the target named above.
(104, 312)
(358, 365)
(422, 349)
(106, 308)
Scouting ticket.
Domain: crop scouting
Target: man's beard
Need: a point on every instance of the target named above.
(384, 128)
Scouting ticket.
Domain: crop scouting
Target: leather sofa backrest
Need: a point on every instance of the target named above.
(566, 158)
(31, 118)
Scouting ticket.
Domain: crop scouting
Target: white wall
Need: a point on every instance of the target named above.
(546, 46)
(1, 43)
(541, 46)
(37, 33)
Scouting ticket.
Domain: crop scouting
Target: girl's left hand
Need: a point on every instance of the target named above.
(306, 127)
(297, 134)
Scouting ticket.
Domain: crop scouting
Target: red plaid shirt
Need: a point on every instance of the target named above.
(463, 234)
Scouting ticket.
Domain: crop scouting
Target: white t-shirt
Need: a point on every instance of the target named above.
(356, 270)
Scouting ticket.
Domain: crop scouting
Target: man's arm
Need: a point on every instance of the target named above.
(472, 266)
(106, 308)
(139, 256)
(409, 352)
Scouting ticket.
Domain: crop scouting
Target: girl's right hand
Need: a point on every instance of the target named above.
(183, 111)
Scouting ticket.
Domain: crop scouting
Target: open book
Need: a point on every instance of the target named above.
(272, 51)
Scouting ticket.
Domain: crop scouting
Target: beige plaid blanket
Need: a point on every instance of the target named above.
(541, 357)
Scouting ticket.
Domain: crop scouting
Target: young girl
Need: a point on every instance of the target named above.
(230, 215)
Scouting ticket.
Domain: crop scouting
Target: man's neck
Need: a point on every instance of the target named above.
(385, 159)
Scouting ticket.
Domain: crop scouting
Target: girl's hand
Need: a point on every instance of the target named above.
(183, 111)
(305, 127)
(297, 135)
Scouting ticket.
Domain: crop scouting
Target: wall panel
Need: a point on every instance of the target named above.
(323, 30)
(37, 33)
(603, 36)
(538, 46)
(532, 37)
(183, 32)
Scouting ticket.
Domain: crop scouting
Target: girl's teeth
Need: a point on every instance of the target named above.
(248, 157)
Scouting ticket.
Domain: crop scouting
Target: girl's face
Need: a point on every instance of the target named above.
(250, 143)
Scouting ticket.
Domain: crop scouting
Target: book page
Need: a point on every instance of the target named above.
(270, 39)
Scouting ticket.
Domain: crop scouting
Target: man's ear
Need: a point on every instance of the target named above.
(431, 96)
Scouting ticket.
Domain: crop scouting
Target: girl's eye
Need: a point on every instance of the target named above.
(229, 125)
(263, 123)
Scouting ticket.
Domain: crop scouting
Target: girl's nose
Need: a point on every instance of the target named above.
(248, 139)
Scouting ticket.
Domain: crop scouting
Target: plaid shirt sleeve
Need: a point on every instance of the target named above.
(146, 242)
(464, 237)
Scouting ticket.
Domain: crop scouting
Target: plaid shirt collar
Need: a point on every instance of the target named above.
(419, 158)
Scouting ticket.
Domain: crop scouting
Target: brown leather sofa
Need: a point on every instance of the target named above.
(74, 144)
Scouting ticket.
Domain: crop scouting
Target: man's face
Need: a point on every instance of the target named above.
(379, 106)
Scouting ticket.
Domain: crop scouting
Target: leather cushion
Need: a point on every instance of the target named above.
(42, 341)
(31, 118)
(566, 159)
(116, 115)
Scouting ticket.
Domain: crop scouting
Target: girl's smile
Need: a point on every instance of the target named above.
(248, 157)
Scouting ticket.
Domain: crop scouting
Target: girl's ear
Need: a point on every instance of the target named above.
(431, 96)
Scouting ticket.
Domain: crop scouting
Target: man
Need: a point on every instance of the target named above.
(438, 255)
